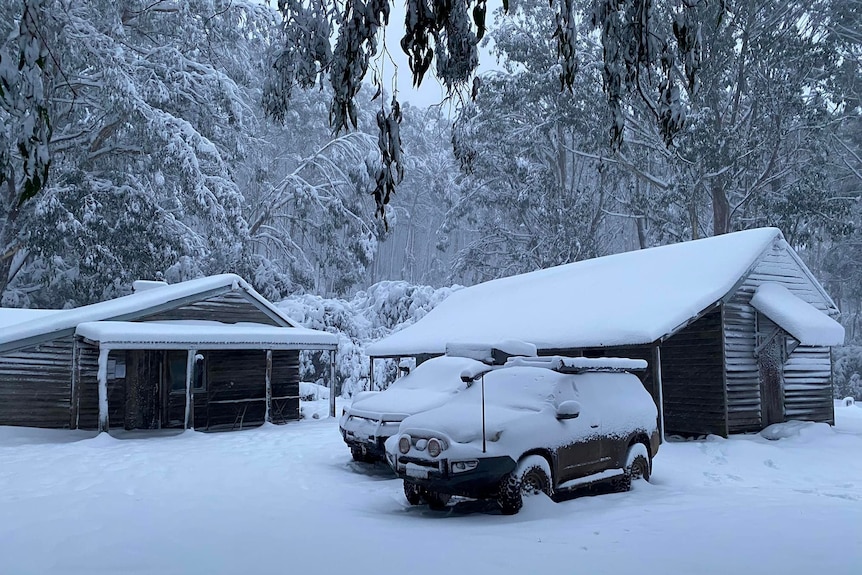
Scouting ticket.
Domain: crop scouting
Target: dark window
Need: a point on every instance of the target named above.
(176, 365)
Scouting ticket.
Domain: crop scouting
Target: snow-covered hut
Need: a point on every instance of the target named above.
(736, 329)
(209, 353)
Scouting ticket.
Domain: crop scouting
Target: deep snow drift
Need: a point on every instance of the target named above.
(289, 500)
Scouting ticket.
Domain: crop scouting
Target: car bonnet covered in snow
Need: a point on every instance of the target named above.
(429, 385)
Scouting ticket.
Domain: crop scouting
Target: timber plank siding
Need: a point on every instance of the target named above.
(692, 374)
(285, 386)
(232, 307)
(35, 385)
(236, 389)
(88, 385)
(741, 339)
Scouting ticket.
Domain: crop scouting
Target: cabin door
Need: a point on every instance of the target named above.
(772, 353)
(143, 377)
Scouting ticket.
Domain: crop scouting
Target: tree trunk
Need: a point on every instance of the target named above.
(720, 210)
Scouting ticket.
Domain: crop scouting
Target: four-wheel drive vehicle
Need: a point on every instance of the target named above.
(374, 416)
(545, 424)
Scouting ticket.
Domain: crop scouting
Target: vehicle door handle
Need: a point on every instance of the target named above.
(594, 426)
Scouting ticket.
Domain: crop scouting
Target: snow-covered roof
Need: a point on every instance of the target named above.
(624, 299)
(800, 319)
(14, 316)
(130, 305)
(202, 335)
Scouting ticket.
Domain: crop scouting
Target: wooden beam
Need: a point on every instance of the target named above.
(268, 415)
(657, 376)
(332, 383)
(103, 389)
(74, 392)
(190, 370)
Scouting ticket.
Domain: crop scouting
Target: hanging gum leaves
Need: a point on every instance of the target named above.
(567, 37)
(391, 170)
(356, 45)
(447, 24)
(305, 55)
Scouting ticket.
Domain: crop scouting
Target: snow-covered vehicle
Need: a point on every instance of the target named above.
(374, 416)
(537, 424)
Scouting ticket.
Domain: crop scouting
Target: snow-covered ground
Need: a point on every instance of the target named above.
(288, 499)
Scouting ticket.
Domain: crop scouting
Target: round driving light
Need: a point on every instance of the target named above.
(434, 447)
(404, 444)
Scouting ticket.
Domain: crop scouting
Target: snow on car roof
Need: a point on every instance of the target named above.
(798, 318)
(61, 320)
(202, 334)
(624, 299)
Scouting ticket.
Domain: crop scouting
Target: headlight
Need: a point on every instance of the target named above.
(434, 447)
(462, 466)
(404, 444)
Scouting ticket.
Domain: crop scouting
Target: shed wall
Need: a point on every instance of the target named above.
(232, 307)
(692, 374)
(35, 385)
(743, 383)
(236, 389)
(285, 386)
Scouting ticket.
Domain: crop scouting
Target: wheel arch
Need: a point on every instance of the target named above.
(548, 456)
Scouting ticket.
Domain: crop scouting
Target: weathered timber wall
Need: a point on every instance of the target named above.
(88, 386)
(808, 385)
(35, 385)
(236, 389)
(692, 375)
(743, 381)
(285, 386)
(231, 307)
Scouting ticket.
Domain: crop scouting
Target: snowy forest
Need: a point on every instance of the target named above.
(170, 139)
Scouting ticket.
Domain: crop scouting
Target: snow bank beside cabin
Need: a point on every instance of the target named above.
(383, 308)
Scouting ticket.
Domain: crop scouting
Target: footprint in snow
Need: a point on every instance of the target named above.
(771, 464)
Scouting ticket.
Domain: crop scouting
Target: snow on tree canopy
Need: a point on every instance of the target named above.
(798, 318)
(624, 299)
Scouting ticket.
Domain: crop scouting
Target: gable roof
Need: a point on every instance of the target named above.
(36, 327)
(630, 298)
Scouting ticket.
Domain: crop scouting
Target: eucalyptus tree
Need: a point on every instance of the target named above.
(535, 190)
(648, 54)
(149, 107)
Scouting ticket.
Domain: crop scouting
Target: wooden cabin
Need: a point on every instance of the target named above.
(736, 330)
(209, 354)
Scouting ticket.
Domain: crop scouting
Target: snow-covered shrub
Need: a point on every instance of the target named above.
(371, 315)
(846, 370)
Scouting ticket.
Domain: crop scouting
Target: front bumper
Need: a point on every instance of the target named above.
(436, 475)
(367, 435)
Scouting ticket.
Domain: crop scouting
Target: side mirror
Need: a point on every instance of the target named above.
(568, 410)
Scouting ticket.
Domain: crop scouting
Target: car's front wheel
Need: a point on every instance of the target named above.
(533, 476)
(413, 493)
(637, 467)
(436, 500)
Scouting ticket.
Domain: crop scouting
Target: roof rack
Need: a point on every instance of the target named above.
(491, 354)
(579, 364)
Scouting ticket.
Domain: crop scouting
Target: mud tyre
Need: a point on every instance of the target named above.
(413, 493)
(509, 495)
(437, 501)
